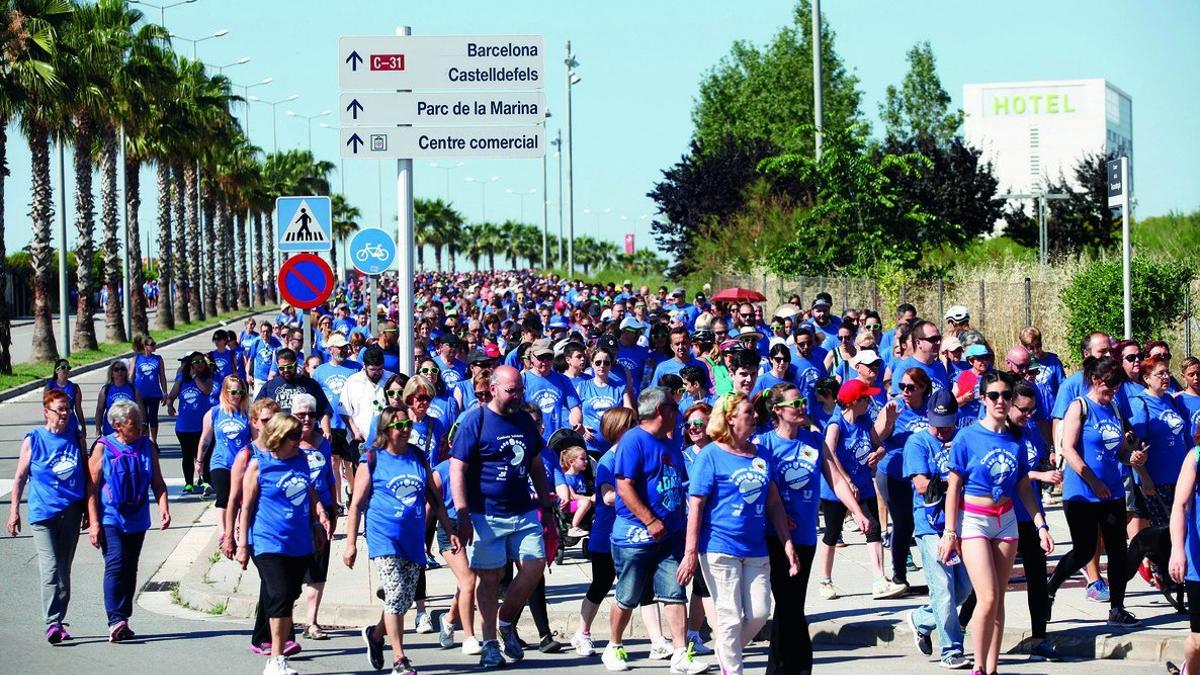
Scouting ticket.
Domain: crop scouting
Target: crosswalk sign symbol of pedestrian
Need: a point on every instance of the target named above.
(304, 224)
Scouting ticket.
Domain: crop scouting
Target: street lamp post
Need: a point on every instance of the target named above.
(274, 118)
(572, 80)
(195, 41)
(447, 168)
(309, 119)
(342, 177)
(221, 68)
(162, 9)
(246, 97)
(545, 209)
(483, 183)
(522, 196)
(557, 143)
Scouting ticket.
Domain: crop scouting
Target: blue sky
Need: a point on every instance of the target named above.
(641, 63)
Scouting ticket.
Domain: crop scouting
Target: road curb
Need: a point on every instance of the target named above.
(16, 391)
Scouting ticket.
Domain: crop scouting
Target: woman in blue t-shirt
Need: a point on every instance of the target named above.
(1163, 423)
(900, 418)
(731, 497)
(52, 464)
(853, 447)
(319, 455)
(192, 391)
(282, 521)
(149, 378)
(395, 490)
(61, 381)
(122, 468)
(1094, 446)
(116, 387)
(597, 394)
(225, 431)
(1185, 551)
(798, 465)
(989, 471)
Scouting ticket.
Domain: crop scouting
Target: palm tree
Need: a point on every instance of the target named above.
(430, 222)
(31, 87)
(452, 233)
(345, 224)
(473, 246)
(490, 240)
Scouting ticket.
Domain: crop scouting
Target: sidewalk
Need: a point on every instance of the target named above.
(1078, 629)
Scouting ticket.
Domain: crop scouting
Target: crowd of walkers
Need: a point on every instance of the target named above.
(707, 453)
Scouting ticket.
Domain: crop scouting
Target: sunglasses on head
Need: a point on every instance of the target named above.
(994, 396)
(794, 404)
(402, 425)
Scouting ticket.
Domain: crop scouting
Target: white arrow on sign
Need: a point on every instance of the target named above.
(512, 142)
(424, 108)
(510, 62)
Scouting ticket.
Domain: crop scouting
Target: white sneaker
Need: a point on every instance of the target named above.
(682, 662)
(424, 624)
(884, 589)
(614, 658)
(471, 646)
(826, 590)
(446, 634)
(661, 650)
(278, 665)
(698, 646)
(583, 644)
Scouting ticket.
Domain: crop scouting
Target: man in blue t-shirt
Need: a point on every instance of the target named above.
(649, 527)
(496, 451)
(552, 392)
(260, 356)
(681, 356)
(926, 342)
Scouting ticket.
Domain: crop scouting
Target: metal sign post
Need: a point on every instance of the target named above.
(1118, 195)
(404, 261)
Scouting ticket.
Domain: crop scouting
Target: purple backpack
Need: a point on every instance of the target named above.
(127, 480)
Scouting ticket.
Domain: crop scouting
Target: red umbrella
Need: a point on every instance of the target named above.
(736, 294)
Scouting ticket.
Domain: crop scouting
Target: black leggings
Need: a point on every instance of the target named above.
(900, 510)
(536, 603)
(603, 576)
(189, 443)
(835, 518)
(1082, 519)
(1029, 545)
(791, 649)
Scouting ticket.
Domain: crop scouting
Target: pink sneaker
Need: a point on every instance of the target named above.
(54, 634)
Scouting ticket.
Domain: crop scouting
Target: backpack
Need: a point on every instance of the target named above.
(127, 479)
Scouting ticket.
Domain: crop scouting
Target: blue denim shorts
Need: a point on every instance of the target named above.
(499, 539)
(655, 566)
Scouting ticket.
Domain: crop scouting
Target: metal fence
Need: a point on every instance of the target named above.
(1000, 308)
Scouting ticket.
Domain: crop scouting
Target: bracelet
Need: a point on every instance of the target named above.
(950, 533)
(1044, 526)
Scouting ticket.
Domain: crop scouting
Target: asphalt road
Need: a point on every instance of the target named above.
(178, 640)
(22, 334)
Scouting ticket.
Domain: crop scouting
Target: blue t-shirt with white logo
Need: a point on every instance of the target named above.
(908, 422)
(797, 464)
(332, 379)
(1165, 424)
(735, 510)
(396, 511)
(596, 400)
(1100, 438)
(936, 371)
(991, 463)
(656, 468)
(853, 449)
(554, 395)
(498, 460)
(1035, 452)
(925, 455)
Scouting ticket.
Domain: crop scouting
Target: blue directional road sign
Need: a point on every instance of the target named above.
(303, 224)
(372, 251)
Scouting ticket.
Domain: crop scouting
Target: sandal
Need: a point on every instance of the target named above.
(314, 632)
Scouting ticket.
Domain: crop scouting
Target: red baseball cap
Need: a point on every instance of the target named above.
(491, 350)
(852, 390)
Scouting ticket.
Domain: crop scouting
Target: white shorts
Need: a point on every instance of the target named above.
(994, 523)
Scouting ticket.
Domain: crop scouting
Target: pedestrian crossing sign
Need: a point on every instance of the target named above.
(304, 224)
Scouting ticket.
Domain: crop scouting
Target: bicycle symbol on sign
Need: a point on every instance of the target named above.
(368, 251)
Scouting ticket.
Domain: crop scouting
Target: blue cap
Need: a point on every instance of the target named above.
(557, 322)
(943, 409)
(977, 350)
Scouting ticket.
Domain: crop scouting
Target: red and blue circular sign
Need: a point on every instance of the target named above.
(305, 281)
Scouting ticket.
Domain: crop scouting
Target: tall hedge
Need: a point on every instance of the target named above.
(1093, 299)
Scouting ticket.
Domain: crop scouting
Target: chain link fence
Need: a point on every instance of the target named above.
(999, 307)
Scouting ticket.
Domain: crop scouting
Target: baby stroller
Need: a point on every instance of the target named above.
(559, 441)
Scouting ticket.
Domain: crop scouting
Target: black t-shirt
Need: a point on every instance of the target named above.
(282, 391)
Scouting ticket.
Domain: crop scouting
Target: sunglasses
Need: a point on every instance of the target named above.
(1132, 358)
(904, 386)
(429, 371)
(236, 392)
(402, 425)
(994, 396)
(602, 362)
(544, 357)
(264, 420)
(282, 369)
(794, 404)
(423, 398)
(62, 369)
(390, 330)
(746, 316)
(295, 438)
(779, 359)
(302, 415)
(936, 339)
(1028, 411)
(58, 411)
(480, 393)
(696, 425)
(845, 338)
(873, 326)
(393, 393)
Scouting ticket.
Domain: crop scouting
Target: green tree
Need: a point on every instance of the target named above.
(854, 217)
(1093, 298)
(920, 107)
(345, 224)
(764, 93)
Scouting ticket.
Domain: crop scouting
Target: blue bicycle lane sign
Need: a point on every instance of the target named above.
(372, 251)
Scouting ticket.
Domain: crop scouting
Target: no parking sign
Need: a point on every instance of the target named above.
(305, 281)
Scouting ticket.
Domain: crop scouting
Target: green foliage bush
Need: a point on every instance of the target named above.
(1093, 298)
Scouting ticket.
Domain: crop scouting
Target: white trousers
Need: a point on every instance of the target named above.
(741, 592)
